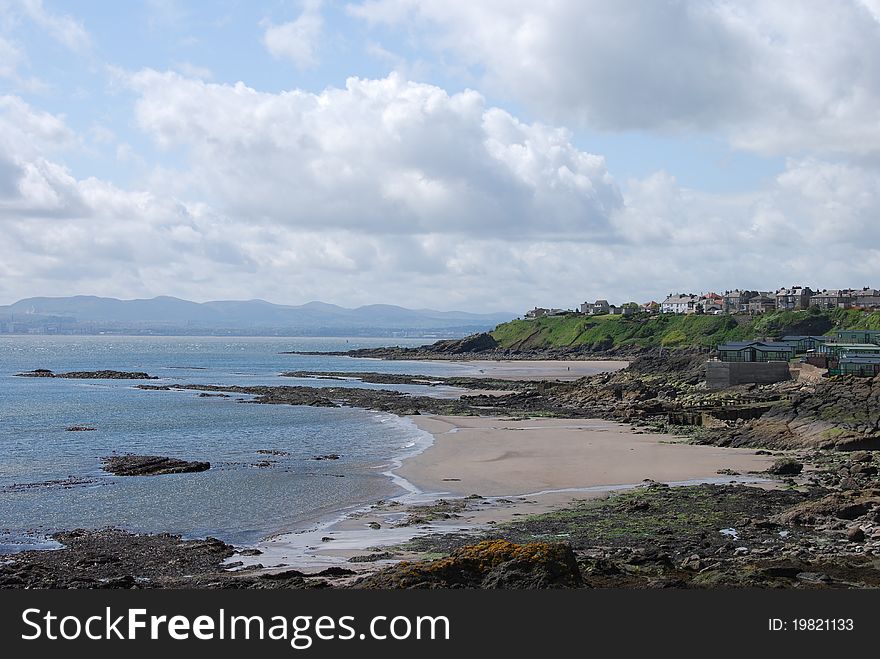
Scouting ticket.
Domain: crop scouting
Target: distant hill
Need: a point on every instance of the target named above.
(91, 314)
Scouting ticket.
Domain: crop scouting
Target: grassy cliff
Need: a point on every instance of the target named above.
(669, 330)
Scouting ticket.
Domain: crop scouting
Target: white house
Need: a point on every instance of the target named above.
(679, 304)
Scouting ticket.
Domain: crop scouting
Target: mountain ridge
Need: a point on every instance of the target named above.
(87, 313)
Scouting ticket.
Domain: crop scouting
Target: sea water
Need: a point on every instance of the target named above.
(51, 478)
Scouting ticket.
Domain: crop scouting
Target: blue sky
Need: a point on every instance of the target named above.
(492, 155)
(224, 40)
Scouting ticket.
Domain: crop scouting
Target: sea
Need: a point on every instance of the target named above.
(51, 478)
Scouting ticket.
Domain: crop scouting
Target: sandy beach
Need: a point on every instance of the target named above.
(517, 467)
(559, 370)
(502, 457)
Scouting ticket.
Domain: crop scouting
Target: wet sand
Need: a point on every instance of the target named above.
(558, 370)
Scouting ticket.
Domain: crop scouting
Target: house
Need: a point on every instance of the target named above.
(859, 336)
(650, 307)
(755, 351)
(540, 312)
(737, 301)
(597, 308)
(679, 304)
(761, 303)
(863, 366)
(832, 298)
(795, 298)
(621, 311)
(711, 303)
(837, 350)
(868, 298)
(804, 344)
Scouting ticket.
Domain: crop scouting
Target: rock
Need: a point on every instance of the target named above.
(329, 456)
(693, 562)
(488, 564)
(813, 578)
(284, 574)
(840, 505)
(108, 558)
(334, 572)
(374, 525)
(838, 412)
(786, 467)
(79, 429)
(855, 534)
(150, 465)
(863, 469)
(88, 375)
(249, 551)
(371, 558)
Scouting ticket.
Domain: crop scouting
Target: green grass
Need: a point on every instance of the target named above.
(669, 330)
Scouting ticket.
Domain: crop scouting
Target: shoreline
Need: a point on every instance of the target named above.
(503, 493)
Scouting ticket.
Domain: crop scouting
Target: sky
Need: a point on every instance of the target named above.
(489, 155)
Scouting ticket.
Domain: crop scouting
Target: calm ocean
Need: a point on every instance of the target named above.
(50, 479)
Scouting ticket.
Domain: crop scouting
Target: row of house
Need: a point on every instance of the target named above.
(794, 298)
(601, 308)
(851, 352)
(541, 312)
(690, 303)
(798, 298)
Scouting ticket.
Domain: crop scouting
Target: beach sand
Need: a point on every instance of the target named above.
(558, 370)
(498, 457)
(518, 467)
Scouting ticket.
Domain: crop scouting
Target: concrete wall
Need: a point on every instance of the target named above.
(720, 375)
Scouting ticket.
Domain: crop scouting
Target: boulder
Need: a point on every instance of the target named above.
(786, 467)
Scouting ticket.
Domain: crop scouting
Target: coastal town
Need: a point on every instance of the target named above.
(795, 298)
(764, 359)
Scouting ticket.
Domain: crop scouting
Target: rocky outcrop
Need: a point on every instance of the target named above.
(111, 558)
(847, 505)
(150, 465)
(88, 375)
(841, 412)
(488, 564)
(466, 347)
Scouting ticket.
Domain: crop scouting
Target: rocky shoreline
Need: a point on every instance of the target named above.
(700, 536)
(819, 529)
(480, 346)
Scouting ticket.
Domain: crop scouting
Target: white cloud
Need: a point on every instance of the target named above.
(775, 78)
(389, 190)
(379, 155)
(10, 57)
(298, 40)
(63, 28)
(191, 70)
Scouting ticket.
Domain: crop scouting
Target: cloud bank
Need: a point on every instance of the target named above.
(391, 190)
